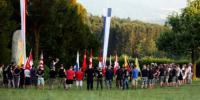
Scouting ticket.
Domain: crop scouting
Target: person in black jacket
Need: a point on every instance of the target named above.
(22, 77)
(5, 76)
(119, 80)
(90, 75)
(150, 77)
(145, 75)
(62, 77)
(16, 74)
(109, 77)
(99, 77)
(52, 77)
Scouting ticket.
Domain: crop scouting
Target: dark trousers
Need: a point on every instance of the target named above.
(119, 83)
(21, 83)
(89, 84)
(99, 82)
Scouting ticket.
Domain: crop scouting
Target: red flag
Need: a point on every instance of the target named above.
(84, 62)
(90, 60)
(41, 63)
(29, 62)
(116, 64)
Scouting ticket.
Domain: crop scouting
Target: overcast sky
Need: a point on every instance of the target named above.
(154, 11)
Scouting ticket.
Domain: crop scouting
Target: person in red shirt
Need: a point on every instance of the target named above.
(79, 78)
(69, 77)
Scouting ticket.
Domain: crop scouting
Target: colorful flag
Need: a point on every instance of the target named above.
(107, 20)
(116, 64)
(41, 63)
(29, 61)
(110, 60)
(100, 59)
(90, 59)
(23, 29)
(126, 61)
(76, 67)
(20, 59)
(84, 62)
(137, 64)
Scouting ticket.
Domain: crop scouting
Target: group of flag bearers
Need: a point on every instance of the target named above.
(151, 74)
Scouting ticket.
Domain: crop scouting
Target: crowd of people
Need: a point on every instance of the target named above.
(150, 76)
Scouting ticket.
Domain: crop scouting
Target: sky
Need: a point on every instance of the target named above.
(154, 11)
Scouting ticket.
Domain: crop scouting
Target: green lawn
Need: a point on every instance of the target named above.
(186, 92)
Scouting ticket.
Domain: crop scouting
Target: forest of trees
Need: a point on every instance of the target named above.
(134, 38)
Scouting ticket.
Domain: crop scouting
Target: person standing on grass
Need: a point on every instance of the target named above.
(119, 80)
(33, 76)
(40, 76)
(161, 76)
(174, 77)
(79, 79)
(22, 77)
(109, 77)
(150, 78)
(10, 76)
(189, 74)
(16, 74)
(27, 77)
(99, 77)
(179, 75)
(62, 75)
(135, 74)
(1, 75)
(145, 75)
(90, 75)
(5, 76)
(125, 76)
(70, 74)
(167, 71)
(52, 77)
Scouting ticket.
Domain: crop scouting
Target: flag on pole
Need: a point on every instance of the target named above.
(29, 61)
(126, 61)
(110, 60)
(23, 29)
(76, 67)
(100, 59)
(84, 62)
(90, 59)
(41, 63)
(137, 64)
(116, 64)
(107, 20)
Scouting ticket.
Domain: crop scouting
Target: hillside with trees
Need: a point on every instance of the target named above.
(131, 37)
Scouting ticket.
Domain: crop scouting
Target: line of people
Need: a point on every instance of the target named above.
(150, 75)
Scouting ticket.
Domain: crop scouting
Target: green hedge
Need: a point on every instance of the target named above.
(142, 61)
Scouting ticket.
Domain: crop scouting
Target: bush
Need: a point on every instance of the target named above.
(142, 61)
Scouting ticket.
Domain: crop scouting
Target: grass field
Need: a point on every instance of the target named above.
(186, 92)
